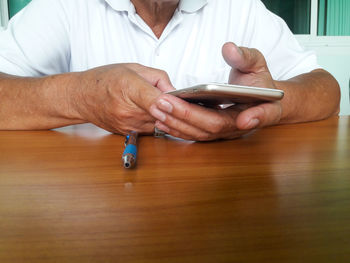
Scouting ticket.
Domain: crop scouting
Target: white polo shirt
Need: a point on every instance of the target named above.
(57, 36)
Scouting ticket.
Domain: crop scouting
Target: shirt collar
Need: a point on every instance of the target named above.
(119, 5)
(189, 6)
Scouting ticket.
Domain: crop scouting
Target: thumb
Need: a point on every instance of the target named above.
(144, 94)
(262, 115)
(245, 60)
(156, 77)
(159, 79)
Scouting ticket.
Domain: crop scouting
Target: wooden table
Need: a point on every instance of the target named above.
(281, 194)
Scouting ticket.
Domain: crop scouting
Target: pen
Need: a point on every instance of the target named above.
(130, 152)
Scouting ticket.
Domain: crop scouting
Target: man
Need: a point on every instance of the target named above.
(63, 63)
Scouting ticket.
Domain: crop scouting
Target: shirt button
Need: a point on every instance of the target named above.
(157, 52)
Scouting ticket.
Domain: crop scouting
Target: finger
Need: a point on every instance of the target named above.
(195, 121)
(159, 79)
(265, 114)
(146, 128)
(156, 77)
(246, 60)
(184, 130)
(143, 123)
(205, 119)
(173, 132)
(141, 92)
(163, 82)
(208, 137)
(126, 121)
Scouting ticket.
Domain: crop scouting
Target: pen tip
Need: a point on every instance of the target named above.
(128, 161)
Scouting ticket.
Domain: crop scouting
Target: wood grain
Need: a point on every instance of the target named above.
(281, 194)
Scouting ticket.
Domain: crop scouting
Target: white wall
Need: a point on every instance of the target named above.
(334, 56)
(339, 66)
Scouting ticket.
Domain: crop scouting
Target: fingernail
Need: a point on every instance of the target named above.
(253, 123)
(165, 106)
(239, 50)
(159, 115)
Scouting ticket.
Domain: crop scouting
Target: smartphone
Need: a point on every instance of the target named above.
(214, 94)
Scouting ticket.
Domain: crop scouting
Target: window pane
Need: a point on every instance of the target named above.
(16, 5)
(334, 18)
(296, 13)
(3, 13)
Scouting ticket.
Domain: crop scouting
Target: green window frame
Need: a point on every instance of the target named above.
(330, 17)
(334, 18)
(296, 13)
(15, 6)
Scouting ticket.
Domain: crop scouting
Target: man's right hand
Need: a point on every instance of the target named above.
(117, 97)
(114, 97)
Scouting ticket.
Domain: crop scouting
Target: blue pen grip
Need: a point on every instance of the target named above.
(130, 149)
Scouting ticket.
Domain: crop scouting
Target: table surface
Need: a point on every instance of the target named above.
(281, 194)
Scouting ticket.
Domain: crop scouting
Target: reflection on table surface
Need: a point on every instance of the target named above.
(281, 194)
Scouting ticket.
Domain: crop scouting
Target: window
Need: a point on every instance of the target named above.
(296, 13)
(330, 17)
(322, 26)
(3, 13)
(16, 5)
(334, 18)
(8, 8)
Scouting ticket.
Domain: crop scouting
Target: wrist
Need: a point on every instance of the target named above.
(66, 97)
(285, 110)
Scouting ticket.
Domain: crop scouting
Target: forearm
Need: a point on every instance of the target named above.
(37, 103)
(309, 97)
